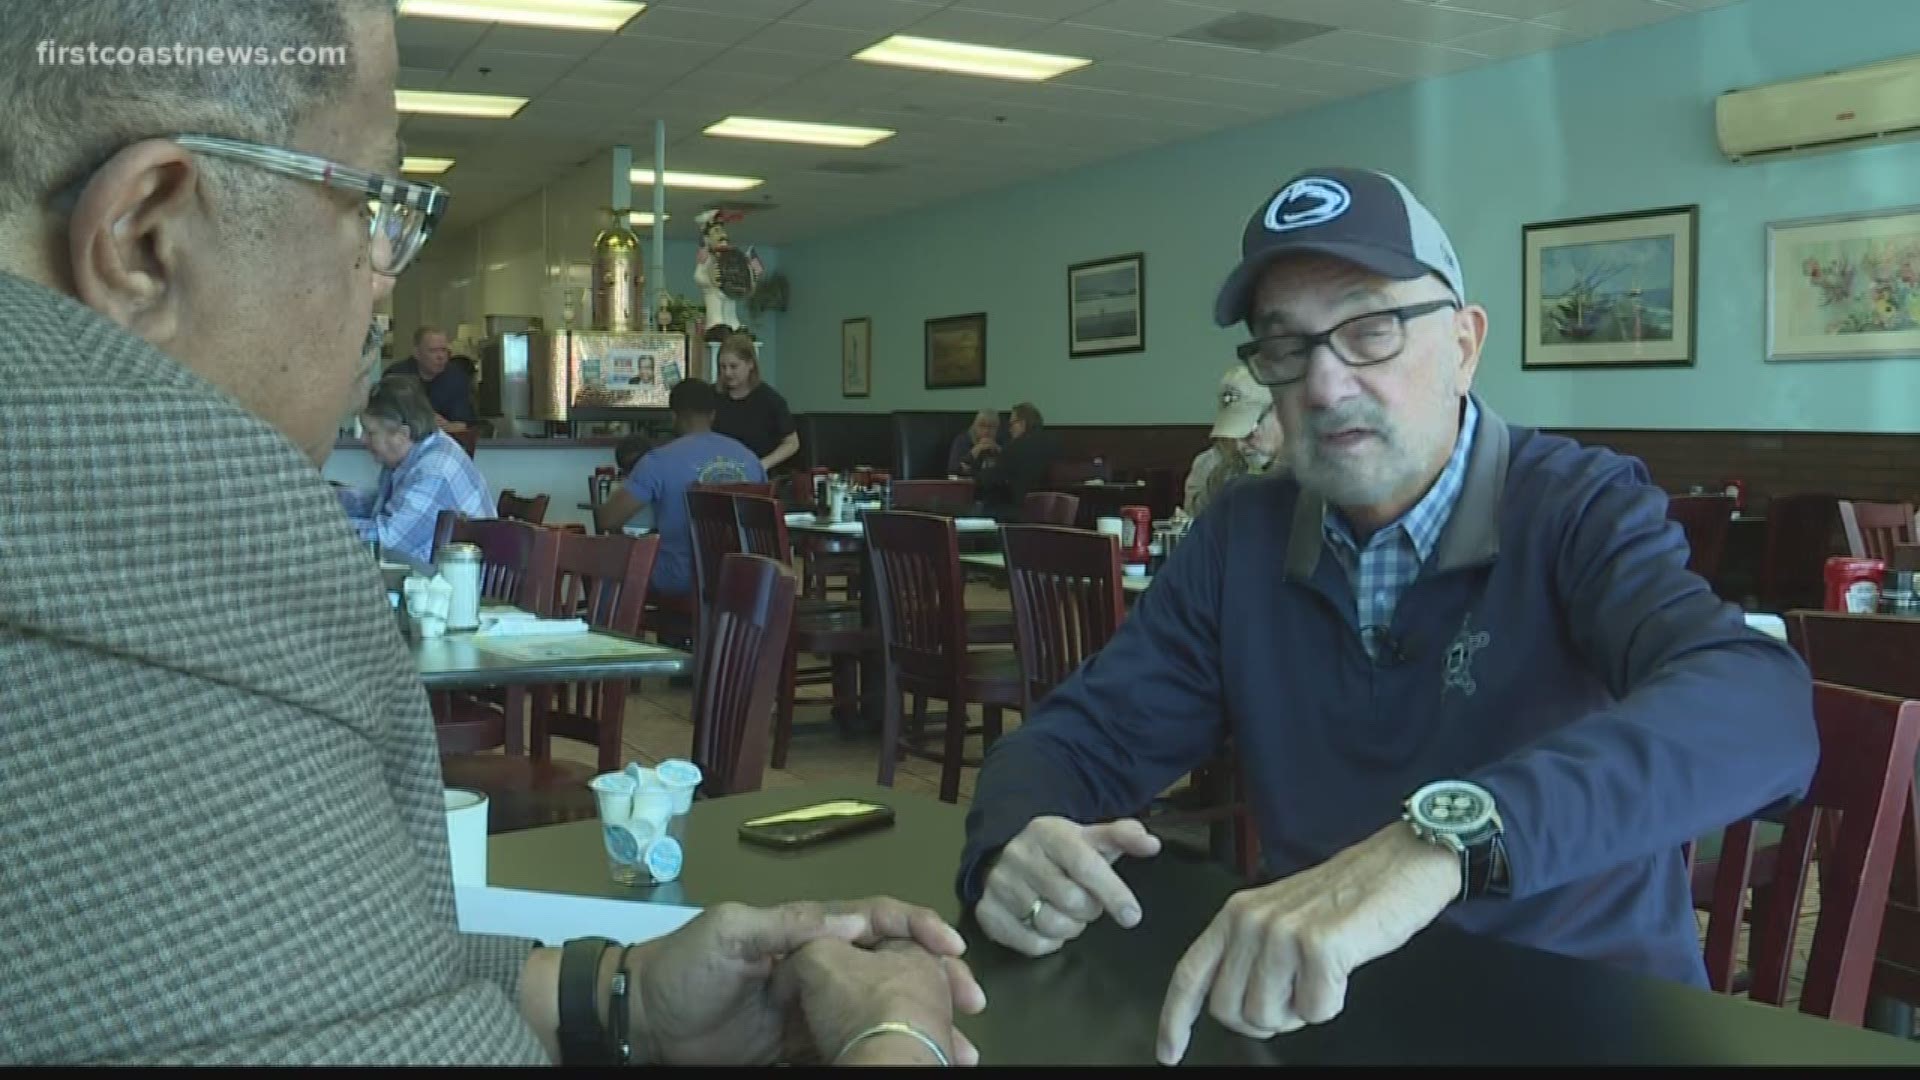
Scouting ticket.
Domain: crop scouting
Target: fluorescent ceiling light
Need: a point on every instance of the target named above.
(748, 127)
(642, 218)
(963, 59)
(437, 103)
(429, 165)
(706, 181)
(606, 15)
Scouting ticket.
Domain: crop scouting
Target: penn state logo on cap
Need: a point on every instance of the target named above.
(1308, 201)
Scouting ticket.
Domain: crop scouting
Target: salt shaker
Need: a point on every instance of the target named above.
(460, 565)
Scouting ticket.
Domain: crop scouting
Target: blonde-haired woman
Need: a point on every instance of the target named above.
(1246, 439)
(750, 410)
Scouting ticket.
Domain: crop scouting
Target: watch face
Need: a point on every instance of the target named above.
(1452, 807)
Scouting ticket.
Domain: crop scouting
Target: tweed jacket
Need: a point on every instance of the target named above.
(221, 830)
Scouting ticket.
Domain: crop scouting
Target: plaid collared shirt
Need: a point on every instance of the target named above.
(1390, 560)
(436, 475)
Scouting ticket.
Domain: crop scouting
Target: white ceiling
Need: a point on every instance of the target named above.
(692, 62)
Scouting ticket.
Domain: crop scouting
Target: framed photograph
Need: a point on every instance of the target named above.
(1610, 291)
(1844, 286)
(957, 351)
(856, 357)
(1107, 306)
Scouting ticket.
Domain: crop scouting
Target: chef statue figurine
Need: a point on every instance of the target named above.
(725, 274)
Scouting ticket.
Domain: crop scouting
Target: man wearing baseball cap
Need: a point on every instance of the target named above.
(1467, 673)
(1246, 438)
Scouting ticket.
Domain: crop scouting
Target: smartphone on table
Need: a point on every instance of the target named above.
(809, 825)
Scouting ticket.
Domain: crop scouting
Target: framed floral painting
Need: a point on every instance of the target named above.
(1844, 286)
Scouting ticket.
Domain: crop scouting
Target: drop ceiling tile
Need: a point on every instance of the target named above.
(642, 59)
(978, 27)
(519, 74)
(1387, 54)
(533, 39)
(1335, 80)
(634, 87)
(1072, 39)
(1413, 20)
(1515, 40)
(1592, 20)
(1033, 9)
(726, 87)
(1158, 18)
(1193, 58)
(414, 78)
(435, 43)
(759, 9)
(675, 24)
(877, 18)
(836, 42)
(764, 62)
(1512, 9)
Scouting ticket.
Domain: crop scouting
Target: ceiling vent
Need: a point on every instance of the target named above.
(1252, 33)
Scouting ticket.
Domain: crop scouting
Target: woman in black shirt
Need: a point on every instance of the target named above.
(750, 410)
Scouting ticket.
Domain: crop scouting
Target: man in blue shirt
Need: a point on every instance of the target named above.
(699, 456)
(449, 385)
(422, 472)
(1466, 671)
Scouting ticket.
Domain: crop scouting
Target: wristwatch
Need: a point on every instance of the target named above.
(1461, 816)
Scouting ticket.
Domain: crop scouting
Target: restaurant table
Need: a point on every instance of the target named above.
(811, 537)
(462, 661)
(1447, 997)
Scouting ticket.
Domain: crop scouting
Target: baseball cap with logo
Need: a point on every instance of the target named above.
(1360, 215)
(1243, 401)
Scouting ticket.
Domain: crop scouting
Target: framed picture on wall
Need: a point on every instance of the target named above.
(1844, 286)
(1611, 291)
(1107, 306)
(856, 357)
(957, 351)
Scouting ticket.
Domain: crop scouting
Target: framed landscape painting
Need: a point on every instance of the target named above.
(856, 357)
(1106, 306)
(1844, 286)
(1610, 291)
(957, 351)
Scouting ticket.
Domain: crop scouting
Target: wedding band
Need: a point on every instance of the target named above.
(1033, 912)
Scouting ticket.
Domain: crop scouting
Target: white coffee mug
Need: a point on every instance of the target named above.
(467, 835)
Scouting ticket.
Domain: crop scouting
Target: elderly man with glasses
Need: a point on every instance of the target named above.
(1467, 673)
(224, 839)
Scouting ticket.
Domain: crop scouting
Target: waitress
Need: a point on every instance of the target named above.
(750, 410)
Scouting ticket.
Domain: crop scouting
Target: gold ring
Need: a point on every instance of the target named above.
(1033, 912)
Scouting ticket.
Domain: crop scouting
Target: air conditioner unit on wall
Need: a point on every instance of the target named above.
(1839, 110)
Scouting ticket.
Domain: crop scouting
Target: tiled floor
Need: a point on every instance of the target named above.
(658, 726)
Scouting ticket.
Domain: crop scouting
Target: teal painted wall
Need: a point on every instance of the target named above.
(1617, 124)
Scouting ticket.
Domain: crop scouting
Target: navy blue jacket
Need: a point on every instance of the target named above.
(1554, 649)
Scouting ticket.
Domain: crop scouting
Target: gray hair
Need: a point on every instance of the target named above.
(65, 119)
(402, 399)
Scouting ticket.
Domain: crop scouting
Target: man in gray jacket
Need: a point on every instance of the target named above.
(223, 838)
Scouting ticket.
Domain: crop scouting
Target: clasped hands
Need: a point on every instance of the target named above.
(1275, 958)
(743, 985)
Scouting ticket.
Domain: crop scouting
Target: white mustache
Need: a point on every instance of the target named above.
(1357, 414)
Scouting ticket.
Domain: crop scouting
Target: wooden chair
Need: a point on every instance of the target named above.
(1049, 508)
(916, 568)
(469, 440)
(714, 534)
(604, 580)
(1905, 557)
(1881, 654)
(1874, 528)
(765, 489)
(1867, 746)
(741, 663)
(1067, 604)
(522, 508)
(517, 564)
(1802, 530)
(1704, 519)
(819, 628)
(951, 497)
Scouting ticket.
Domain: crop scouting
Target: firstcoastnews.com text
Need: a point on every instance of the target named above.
(92, 54)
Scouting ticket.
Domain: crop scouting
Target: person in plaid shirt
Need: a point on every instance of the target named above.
(422, 472)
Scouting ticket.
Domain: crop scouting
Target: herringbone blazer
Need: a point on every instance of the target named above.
(221, 830)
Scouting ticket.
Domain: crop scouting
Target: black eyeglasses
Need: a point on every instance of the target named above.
(1372, 337)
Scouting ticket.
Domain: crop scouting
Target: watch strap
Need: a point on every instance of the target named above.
(583, 1038)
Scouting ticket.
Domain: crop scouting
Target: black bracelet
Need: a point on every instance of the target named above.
(583, 1039)
(619, 1046)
